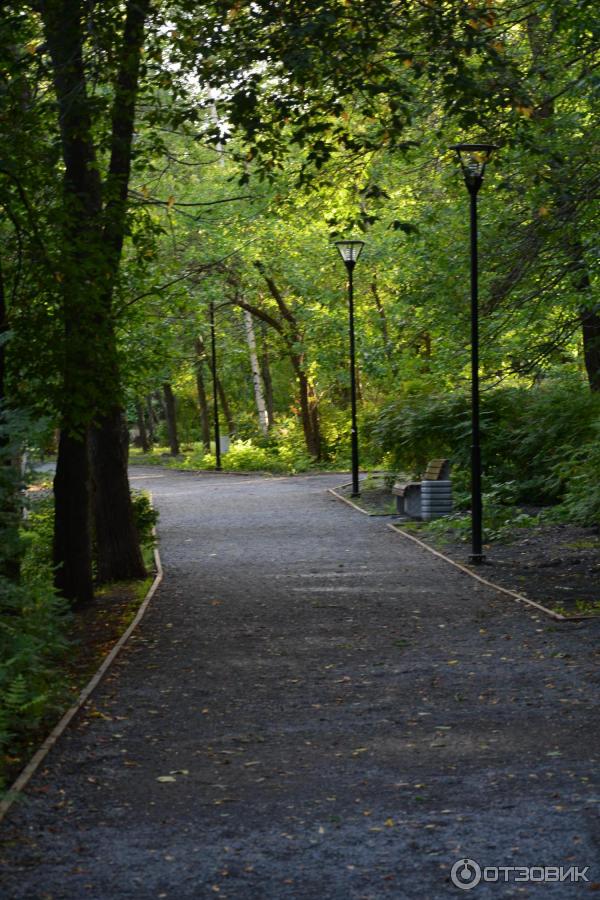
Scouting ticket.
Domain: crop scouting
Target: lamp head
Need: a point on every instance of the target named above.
(473, 159)
(350, 251)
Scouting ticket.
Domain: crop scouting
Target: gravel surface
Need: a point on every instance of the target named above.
(314, 708)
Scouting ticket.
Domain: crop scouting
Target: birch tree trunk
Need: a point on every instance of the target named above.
(263, 419)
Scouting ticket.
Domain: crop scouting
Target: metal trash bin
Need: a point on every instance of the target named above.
(436, 499)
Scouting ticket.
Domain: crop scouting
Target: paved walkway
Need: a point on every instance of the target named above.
(314, 709)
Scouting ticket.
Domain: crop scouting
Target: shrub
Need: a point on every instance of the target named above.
(245, 456)
(532, 438)
(145, 516)
(34, 627)
(579, 471)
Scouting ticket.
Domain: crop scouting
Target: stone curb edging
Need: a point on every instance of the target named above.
(518, 598)
(34, 763)
(348, 501)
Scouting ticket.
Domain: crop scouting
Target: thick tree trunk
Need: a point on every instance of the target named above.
(72, 532)
(94, 222)
(259, 396)
(118, 554)
(141, 424)
(171, 418)
(202, 398)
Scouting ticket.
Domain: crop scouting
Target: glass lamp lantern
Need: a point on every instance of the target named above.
(473, 159)
(350, 250)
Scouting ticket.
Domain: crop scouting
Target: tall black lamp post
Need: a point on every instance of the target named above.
(473, 159)
(213, 347)
(350, 251)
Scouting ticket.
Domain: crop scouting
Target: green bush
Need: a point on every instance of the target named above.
(34, 628)
(533, 439)
(245, 456)
(579, 471)
(145, 516)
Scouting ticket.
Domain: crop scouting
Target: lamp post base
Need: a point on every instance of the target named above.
(355, 494)
(477, 558)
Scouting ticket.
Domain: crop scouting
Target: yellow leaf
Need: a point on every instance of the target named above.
(389, 823)
(171, 202)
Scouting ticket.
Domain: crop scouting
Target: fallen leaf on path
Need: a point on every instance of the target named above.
(165, 778)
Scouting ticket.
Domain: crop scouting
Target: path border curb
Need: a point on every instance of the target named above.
(351, 503)
(37, 759)
(518, 598)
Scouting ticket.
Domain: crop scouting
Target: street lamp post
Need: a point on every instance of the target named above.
(350, 251)
(473, 159)
(213, 346)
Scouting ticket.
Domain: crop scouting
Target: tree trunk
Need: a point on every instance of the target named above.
(259, 396)
(171, 419)
(541, 46)
(94, 219)
(225, 407)
(141, 423)
(265, 369)
(72, 532)
(118, 554)
(309, 413)
(387, 346)
(588, 316)
(151, 420)
(202, 398)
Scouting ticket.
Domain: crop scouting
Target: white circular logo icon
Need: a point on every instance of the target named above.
(465, 874)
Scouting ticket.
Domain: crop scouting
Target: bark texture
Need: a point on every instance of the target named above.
(118, 554)
(202, 397)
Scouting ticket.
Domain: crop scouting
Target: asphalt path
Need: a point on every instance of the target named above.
(315, 709)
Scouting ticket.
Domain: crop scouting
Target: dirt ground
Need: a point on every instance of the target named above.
(555, 565)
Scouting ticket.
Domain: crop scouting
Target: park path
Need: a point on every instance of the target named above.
(337, 714)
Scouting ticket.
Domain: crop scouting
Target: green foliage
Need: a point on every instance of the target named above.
(34, 626)
(244, 456)
(145, 516)
(500, 523)
(579, 471)
(535, 441)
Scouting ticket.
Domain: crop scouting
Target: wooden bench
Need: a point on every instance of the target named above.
(408, 494)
